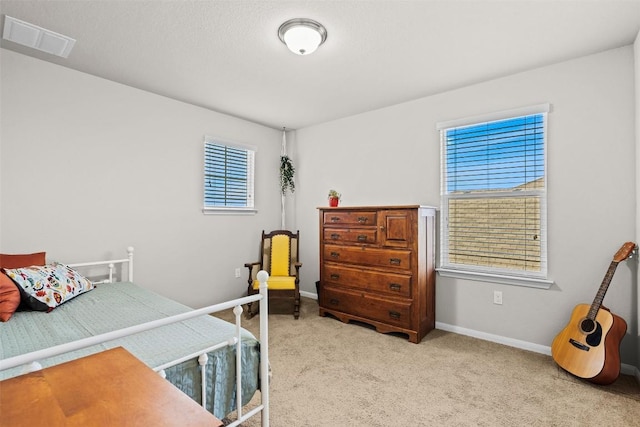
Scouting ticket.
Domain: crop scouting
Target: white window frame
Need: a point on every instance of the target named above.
(492, 274)
(249, 208)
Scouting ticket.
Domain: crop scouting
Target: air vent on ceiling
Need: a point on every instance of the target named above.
(36, 37)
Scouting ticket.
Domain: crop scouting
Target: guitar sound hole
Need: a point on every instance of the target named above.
(595, 338)
(587, 326)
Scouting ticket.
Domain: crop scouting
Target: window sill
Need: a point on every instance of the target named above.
(496, 278)
(229, 211)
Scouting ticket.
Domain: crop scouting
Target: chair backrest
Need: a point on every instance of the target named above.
(279, 252)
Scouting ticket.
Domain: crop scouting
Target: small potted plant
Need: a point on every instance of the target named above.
(334, 198)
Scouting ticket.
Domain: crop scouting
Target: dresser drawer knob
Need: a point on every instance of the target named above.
(335, 236)
(362, 219)
(335, 276)
(334, 301)
(394, 261)
(395, 287)
(335, 255)
(362, 238)
(335, 218)
(394, 315)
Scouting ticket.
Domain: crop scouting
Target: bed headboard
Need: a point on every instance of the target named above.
(111, 265)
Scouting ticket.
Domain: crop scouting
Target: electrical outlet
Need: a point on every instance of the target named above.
(497, 297)
(237, 273)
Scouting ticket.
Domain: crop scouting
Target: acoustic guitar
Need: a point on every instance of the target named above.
(589, 346)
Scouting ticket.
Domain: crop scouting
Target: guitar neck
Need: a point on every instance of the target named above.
(597, 301)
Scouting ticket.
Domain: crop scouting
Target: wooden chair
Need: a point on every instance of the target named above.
(279, 256)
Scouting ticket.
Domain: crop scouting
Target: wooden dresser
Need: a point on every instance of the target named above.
(377, 265)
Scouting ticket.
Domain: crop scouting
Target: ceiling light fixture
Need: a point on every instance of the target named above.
(302, 36)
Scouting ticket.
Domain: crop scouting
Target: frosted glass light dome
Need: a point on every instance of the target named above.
(302, 36)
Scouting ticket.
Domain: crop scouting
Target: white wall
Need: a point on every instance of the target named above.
(392, 156)
(89, 167)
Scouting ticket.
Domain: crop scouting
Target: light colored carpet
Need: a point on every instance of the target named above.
(328, 373)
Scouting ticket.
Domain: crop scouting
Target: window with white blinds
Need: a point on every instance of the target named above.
(228, 176)
(494, 196)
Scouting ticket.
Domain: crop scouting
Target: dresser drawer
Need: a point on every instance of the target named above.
(349, 235)
(361, 218)
(368, 280)
(397, 313)
(388, 258)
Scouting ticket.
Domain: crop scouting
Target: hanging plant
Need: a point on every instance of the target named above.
(287, 171)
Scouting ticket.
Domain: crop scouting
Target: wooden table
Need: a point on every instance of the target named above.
(111, 388)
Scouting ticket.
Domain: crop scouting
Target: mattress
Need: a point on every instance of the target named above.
(115, 306)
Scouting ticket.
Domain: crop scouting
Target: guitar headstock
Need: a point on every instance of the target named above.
(624, 252)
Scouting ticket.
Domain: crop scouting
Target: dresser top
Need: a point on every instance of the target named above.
(353, 208)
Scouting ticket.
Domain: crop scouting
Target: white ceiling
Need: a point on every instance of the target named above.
(225, 55)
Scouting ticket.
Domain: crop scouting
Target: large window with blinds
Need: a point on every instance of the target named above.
(494, 196)
(228, 176)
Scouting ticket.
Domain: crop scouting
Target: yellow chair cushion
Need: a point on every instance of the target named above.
(280, 258)
(278, 283)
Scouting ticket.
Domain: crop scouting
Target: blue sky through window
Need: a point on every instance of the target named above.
(497, 155)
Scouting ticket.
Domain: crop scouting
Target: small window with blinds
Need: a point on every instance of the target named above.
(228, 176)
(494, 196)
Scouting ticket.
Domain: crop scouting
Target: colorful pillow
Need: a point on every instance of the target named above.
(9, 298)
(9, 292)
(43, 288)
(22, 260)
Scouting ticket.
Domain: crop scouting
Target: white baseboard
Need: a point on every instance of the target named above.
(511, 342)
(308, 295)
(524, 345)
(630, 370)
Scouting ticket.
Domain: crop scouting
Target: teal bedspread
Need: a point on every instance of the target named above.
(115, 306)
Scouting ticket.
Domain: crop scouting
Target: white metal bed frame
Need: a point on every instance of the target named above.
(29, 360)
